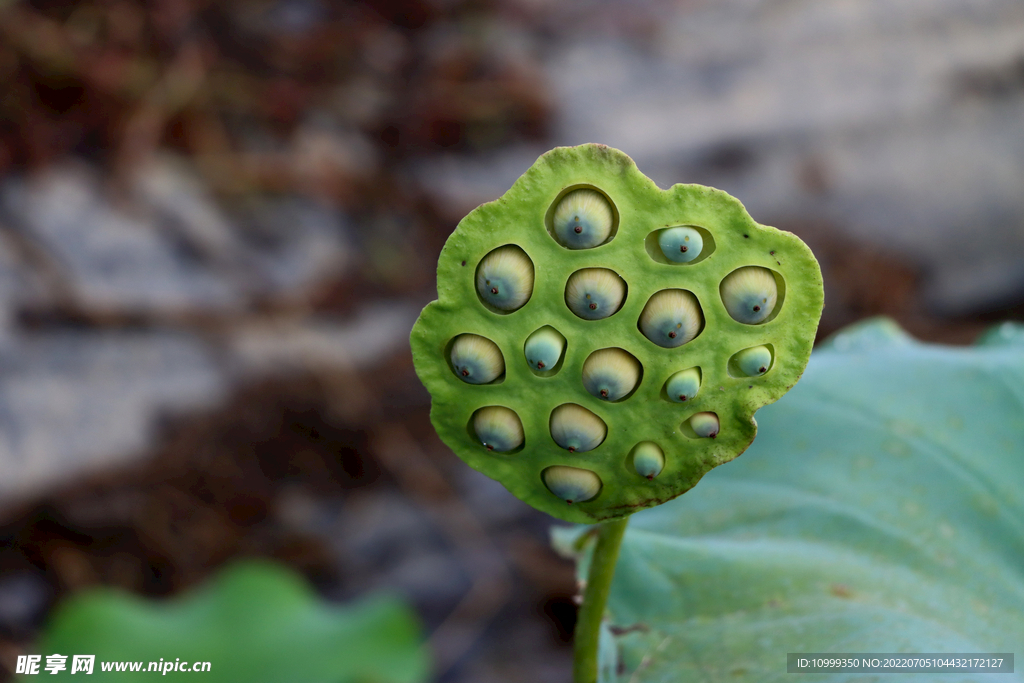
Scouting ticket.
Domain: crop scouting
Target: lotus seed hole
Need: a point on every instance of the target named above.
(682, 386)
(611, 374)
(671, 318)
(504, 279)
(595, 293)
(704, 425)
(752, 362)
(577, 429)
(648, 459)
(498, 429)
(680, 245)
(544, 350)
(475, 359)
(582, 217)
(751, 294)
(571, 484)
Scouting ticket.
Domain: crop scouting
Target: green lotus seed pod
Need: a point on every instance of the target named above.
(705, 425)
(544, 349)
(680, 245)
(498, 428)
(576, 429)
(610, 374)
(754, 361)
(622, 275)
(504, 278)
(671, 318)
(583, 219)
(476, 360)
(683, 386)
(572, 484)
(594, 293)
(749, 294)
(648, 459)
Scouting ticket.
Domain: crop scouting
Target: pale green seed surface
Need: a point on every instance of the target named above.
(519, 218)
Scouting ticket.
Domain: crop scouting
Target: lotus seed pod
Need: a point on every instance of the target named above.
(610, 374)
(583, 219)
(671, 318)
(648, 459)
(572, 484)
(622, 275)
(594, 293)
(544, 349)
(576, 429)
(683, 386)
(749, 294)
(680, 245)
(498, 428)
(705, 425)
(754, 361)
(476, 360)
(504, 278)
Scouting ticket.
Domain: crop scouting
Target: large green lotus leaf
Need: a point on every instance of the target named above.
(881, 509)
(255, 623)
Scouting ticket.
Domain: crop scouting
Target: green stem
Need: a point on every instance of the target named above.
(595, 597)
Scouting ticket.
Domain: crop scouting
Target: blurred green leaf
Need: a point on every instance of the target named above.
(255, 622)
(881, 509)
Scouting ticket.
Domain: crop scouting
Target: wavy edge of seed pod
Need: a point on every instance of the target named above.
(681, 243)
(704, 425)
(541, 346)
(588, 200)
(752, 362)
(485, 350)
(514, 269)
(665, 307)
(503, 425)
(648, 459)
(611, 374)
(683, 395)
(753, 287)
(571, 484)
(585, 285)
(576, 429)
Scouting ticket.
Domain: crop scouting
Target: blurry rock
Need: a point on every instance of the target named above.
(75, 401)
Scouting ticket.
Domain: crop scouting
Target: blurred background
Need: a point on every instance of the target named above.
(219, 220)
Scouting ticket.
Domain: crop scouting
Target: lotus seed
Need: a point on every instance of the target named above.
(648, 459)
(576, 429)
(680, 245)
(476, 360)
(498, 428)
(749, 294)
(671, 318)
(504, 278)
(544, 349)
(594, 293)
(583, 219)
(705, 425)
(754, 361)
(572, 484)
(610, 374)
(683, 386)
